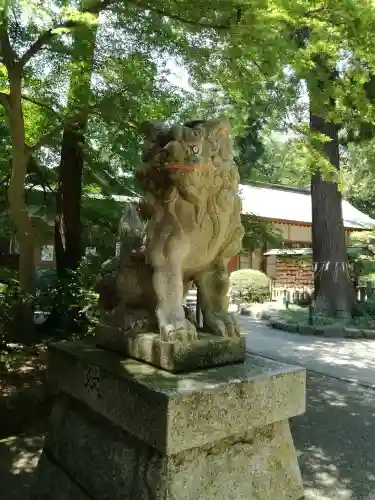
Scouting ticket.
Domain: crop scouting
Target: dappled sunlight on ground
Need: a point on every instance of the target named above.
(327, 483)
(334, 439)
(352, 360)
(19, 456)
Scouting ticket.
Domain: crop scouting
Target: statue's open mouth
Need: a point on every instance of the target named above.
(188, 167)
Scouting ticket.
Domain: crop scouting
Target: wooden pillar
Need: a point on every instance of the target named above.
(198, 312)
(263, 258)
(233, 264)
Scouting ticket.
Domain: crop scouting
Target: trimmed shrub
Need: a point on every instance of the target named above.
(364, 309)
(303, 301)
(250, 285)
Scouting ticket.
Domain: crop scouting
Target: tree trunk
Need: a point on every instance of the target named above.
(263, 258)
(25, 232)
(16, 191)
(333, 290)
(68, 229)
(68, 219)
(24, 228)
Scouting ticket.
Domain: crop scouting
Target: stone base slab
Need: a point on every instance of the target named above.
(205, 352)
(124, 430)
(107, 463)
(52, 482)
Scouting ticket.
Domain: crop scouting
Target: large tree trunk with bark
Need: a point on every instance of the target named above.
(24, 228)
(333, 290)
(16, 191)
(68, 202)
(68, 228)
(23, 330)
(25, 231)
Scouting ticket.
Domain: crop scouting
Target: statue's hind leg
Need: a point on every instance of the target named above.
(213, 285)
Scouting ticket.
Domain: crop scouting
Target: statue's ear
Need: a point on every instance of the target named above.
(151, 129)
(193, 134)
(217, 125)
(177, 132)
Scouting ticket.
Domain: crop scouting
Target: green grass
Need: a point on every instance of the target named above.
(300, 316)
(294, 314)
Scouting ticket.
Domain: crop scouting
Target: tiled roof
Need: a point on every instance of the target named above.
(307, 252)
(275, 202)
(291, 204)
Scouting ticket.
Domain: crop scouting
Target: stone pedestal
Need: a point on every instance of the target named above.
(124, 430)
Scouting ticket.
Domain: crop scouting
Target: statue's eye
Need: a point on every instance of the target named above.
(195, 149)
(163, 155)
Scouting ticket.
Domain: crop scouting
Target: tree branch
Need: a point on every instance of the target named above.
(34, 168)
(184, 20)
(311, 13)
(65, 122)
(44, 140)
(42, 105)
(259, 68)
(45, 37)
(6, 49)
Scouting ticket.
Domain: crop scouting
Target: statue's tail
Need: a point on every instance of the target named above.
(130, 231)
(130, 225)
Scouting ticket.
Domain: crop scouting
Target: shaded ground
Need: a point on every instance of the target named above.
(335, 437)
(18, 459)
(23, 396)
(335, 440)
(23, 400)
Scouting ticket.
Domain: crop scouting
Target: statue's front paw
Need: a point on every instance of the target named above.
(183, 331)
(223, 324)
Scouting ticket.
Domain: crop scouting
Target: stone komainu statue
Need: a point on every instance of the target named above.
(193, 227)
